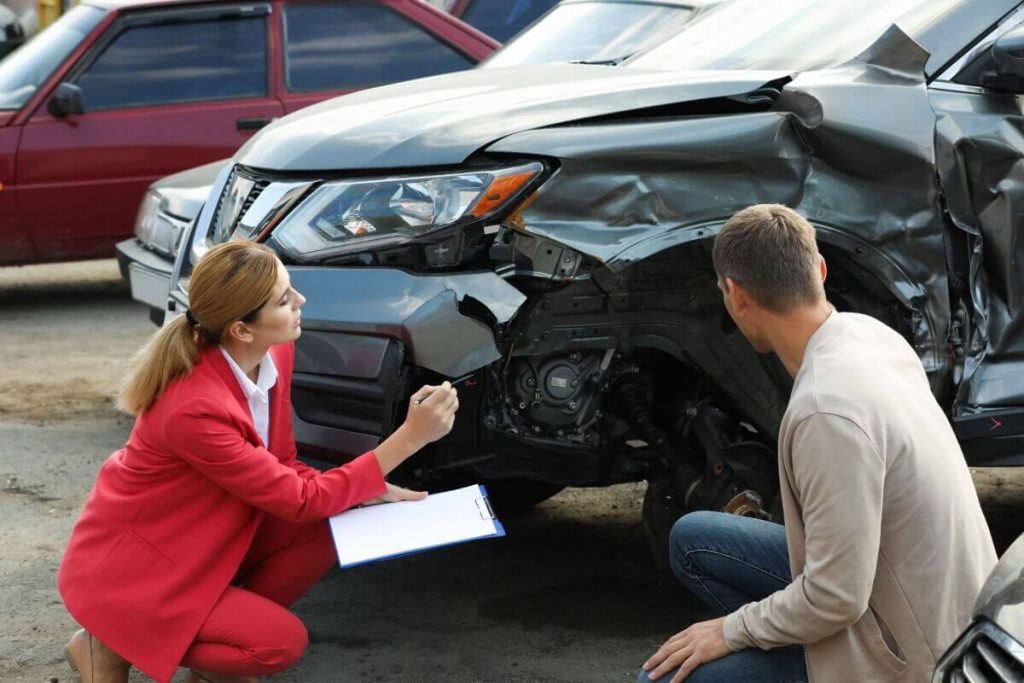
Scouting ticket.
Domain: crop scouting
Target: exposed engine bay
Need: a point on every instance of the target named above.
(613, 404)
(640, 375)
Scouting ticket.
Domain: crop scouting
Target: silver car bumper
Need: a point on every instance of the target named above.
(148, 272)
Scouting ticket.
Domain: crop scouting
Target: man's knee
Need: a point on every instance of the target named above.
(693, 530)
(696, 525)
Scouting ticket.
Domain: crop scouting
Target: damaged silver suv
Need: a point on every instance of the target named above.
(546, 230)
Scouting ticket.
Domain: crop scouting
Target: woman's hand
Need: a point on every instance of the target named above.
(396, 494)
(431, 412)
(431, 416)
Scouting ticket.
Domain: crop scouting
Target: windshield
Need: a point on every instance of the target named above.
(789, 35)
(502, 19)
(23, 71)
(592, 32)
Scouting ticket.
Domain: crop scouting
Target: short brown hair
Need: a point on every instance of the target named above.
(770, 249)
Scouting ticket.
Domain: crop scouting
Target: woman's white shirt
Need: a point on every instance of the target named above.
(257, 393)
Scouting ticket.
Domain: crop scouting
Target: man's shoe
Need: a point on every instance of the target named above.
(93, 661)
(206, 677)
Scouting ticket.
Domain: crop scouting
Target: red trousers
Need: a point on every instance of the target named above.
(250, 631)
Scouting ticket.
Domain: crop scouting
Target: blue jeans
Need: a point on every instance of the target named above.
(729, 561)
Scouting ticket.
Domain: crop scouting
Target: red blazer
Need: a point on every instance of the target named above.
(171, 515)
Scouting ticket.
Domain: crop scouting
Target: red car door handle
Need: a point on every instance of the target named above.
(254, 123)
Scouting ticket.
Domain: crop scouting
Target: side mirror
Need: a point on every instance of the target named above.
(1006, 73)
(66, 101)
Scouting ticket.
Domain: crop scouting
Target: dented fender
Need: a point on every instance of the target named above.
(630, 188)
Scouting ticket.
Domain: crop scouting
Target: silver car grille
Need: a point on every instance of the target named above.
(984, 654)
(241, 190)
(251, 205)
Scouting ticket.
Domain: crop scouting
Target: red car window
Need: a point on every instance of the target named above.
(189, 61)
(338, 46)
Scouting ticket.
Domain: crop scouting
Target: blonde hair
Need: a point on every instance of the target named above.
(771, 250)
(231, 282)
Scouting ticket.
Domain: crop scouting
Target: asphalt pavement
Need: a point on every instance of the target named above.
(571, 593)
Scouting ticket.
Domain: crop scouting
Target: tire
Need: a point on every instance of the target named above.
(509, 496)
(660, 512)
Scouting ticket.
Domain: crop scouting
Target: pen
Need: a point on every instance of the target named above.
(454, 382)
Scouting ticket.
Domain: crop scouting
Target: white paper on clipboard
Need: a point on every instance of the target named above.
(379, 532)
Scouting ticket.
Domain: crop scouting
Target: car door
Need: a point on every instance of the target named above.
(334, 47)
(163, 91)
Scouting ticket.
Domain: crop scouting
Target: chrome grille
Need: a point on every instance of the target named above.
(241, 190)
(984, 654)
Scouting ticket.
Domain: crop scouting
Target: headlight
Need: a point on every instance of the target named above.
(344, 216)
(157, 229)
(145, 222)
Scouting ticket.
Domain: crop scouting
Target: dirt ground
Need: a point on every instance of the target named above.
(569, 595)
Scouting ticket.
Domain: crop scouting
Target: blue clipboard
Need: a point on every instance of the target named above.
(372, 524)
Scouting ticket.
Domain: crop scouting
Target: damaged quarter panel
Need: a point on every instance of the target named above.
(981, 146)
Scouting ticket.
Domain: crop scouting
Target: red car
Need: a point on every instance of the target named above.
(118, 93)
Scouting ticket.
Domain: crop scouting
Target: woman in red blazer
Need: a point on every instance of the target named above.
(205, 528)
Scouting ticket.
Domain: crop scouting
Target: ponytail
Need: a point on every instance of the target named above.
(170, 354)
(233, 281)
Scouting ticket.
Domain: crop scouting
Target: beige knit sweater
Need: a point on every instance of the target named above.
(887, 542)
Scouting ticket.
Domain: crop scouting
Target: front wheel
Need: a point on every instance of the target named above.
(660, 511)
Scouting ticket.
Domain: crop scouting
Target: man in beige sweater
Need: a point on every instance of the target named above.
(885, 546)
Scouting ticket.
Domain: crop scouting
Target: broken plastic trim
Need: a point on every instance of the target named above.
(420, 310)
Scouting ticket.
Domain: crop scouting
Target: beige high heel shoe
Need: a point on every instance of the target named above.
(206, 677)
(93, 661)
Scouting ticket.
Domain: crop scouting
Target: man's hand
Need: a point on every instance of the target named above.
(395, 494)
(686, 650)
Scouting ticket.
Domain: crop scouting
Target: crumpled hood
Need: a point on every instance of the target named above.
(444, 119)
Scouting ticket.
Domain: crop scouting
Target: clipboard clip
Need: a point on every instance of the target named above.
(483, 506)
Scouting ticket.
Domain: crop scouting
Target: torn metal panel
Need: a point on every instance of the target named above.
(421, 310)
(980, 145)
(863, 174)
(444, 340)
